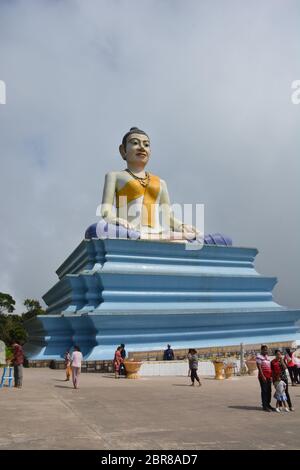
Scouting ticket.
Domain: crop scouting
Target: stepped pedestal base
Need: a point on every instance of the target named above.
(148, 294)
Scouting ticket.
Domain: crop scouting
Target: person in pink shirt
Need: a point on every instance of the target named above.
(291, 365)
(297, 360)
(265, 378)
(76, 360)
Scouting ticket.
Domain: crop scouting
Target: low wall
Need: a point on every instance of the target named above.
(176, 368)
(154, 365)
(207, 353)
(87, 366)
(148, 368)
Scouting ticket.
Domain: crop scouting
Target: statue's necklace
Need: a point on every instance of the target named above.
(143, 181)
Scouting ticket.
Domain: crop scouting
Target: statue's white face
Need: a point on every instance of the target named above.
(137, 149)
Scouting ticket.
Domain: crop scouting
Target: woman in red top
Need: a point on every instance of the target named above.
(118, 360)
(291, 365)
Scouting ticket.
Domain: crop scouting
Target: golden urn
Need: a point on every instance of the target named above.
(132, 369)
(219, 366)
(252, 367)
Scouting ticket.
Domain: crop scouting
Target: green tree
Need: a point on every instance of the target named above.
(7, 303)
(11, 328)
(12, 325)
(7, 324)
(33, 308)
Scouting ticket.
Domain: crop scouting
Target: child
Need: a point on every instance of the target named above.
(68, 365)
(280, 394)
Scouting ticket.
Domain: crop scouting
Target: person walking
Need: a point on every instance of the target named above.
(193, 366)
(279, 368)
(76, 360)
(117, 362)
(18, 360)
(265, 377)
(67, 358)
(291, 365)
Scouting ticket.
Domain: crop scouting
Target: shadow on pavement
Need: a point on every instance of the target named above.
(249, 408)
(112, 376)
(70, 387)
(182, 385)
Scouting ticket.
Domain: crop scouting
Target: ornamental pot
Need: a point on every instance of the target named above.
(252, 368)
(219, 366)
(132, 369)
(229, 371)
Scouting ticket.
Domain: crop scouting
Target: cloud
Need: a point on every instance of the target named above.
(209, 81)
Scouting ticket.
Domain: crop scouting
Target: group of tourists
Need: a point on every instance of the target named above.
(270, 372)
(72, 364)
(275, 372)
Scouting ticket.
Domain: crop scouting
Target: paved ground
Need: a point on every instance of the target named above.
(150, 413)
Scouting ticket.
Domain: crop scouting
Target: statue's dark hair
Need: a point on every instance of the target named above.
(133, 130)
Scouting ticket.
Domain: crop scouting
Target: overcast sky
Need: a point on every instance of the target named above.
(209, 80)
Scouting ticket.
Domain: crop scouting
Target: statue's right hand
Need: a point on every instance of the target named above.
(124, 223)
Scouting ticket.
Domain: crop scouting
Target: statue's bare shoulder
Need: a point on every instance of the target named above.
(111, 174)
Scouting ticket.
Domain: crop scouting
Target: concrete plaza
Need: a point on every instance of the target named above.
(149, 413)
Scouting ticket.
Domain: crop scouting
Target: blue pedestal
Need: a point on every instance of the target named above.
(147, 294)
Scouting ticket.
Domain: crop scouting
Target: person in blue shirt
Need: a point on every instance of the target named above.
(122, 370)
(169, 354)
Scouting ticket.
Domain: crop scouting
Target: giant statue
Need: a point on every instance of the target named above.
(133, 280)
